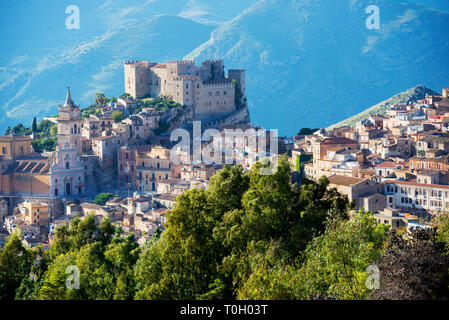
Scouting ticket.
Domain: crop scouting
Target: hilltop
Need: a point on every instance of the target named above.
(412, 95)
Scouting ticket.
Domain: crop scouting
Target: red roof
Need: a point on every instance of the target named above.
(386, 165)
(338, 140)
(409, 183)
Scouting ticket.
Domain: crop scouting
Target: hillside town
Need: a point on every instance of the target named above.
(394, 165)
(124, 162)
(114, 160)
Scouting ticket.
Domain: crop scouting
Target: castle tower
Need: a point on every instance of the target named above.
(68, 170)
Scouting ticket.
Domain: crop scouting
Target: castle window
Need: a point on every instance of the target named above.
(198, 86)
(217, 93)
(210, 94)
(187, 86)
(224, 92)
(4, 150)
(67, 165)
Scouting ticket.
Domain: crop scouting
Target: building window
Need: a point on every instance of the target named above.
(4, 150)
(67, 165)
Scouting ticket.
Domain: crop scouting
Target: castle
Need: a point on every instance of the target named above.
(205, 88)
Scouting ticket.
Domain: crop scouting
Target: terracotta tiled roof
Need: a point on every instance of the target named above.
(411, 183)
(338, 140)
(386, 165)
(344, 181)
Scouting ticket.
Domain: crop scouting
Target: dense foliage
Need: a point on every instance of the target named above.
(248, 236)
(160, 103)
(102, 198)
(46, 132)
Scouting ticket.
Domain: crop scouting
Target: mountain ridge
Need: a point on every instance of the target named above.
(411, 95)
(305, 68)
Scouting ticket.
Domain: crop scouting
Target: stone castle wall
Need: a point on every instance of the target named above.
(205, 87)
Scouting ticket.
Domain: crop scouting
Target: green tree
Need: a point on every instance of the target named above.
(442, 222)
(100, 99)
(307, 131)
(336, 262)
(54, 131)
(104, 258)
(102, 198)
(8, 131)
(117, 116)
(125, 96)
(15, 265)
(34, 125)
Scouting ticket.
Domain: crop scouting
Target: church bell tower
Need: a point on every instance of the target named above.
(69, 125)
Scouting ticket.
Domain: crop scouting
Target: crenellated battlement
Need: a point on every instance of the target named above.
(181, 62)
(212, 61)
(218, 84)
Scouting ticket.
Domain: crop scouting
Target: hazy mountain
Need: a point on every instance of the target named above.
(311, 63)
(411, 95)
(442, 5)
(93, 66)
